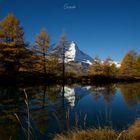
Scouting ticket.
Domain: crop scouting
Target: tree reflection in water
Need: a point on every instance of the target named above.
(130, 93)
(106, 91)
(10, 102)
(54, 108)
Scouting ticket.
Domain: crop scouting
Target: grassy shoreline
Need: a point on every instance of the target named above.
(132, 133)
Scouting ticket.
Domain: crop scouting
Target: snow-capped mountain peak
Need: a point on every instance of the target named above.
(70, 53)
(73, 53)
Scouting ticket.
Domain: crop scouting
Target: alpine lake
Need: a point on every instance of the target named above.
(46, 110)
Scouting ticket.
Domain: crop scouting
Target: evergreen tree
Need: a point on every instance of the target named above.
(138, 65)
(11, 32)
(128, 64)
(12, 46)
(109, 68)
(53, 65)
(63, 46)
(41, 48)
(96, 67)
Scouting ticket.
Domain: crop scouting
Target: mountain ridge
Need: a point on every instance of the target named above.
(73, 54)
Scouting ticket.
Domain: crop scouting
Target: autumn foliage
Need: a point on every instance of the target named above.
(18, 56)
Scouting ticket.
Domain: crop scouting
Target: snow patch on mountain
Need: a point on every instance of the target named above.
(73, 53)
(118, 64)
(70, 53)
(111, 62)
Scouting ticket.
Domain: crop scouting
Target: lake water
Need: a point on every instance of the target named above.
(54, 111)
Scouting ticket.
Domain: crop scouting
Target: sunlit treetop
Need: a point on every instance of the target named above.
(11, 32)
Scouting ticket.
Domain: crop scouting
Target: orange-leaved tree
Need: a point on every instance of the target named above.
(13, 52)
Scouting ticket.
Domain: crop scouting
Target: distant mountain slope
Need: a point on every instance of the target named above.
(73, 54)
(75, 59)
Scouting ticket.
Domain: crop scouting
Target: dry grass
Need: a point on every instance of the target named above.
(132, 133)
(91, 134)
(134, 130)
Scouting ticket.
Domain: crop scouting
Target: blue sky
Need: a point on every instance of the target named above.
(99, 27)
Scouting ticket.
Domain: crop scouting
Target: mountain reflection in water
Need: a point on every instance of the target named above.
(52, 111)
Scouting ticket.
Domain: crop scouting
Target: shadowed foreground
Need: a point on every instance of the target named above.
(132, 133)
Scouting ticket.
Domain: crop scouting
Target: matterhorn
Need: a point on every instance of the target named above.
(73, 54)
